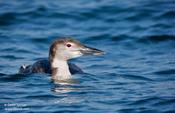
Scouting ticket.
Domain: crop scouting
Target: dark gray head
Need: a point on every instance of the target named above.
(68, 48)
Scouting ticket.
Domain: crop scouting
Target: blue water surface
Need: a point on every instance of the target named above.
(136, 75)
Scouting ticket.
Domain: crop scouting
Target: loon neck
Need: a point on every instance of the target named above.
(60, 69)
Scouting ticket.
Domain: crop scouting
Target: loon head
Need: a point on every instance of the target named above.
(68, 48)
(63, 50)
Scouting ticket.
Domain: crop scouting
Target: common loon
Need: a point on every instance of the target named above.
(61, 50)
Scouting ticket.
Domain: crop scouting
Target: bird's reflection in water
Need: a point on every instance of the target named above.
(69, 100)
(67, 89)
(65, 86)
(66, 82)
(72, 90)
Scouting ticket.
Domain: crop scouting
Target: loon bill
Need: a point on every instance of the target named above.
(61, 50)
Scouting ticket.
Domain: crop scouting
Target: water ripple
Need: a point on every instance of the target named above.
(166, 72)
(157, 38)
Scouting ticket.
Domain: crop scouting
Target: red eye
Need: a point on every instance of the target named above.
(68, 45)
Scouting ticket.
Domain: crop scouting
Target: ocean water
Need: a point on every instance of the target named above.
(136, 75)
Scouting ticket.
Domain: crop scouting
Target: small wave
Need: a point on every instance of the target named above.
(7, 18)
(23, 51)
(2, 74)
(139, 16)
(10, 18)
(38, 11)
(169, 14)
(121, 37)
(11, 77)
(165, 102)
(156, 38)
(148, 100)
(41, 96)
(11, 57)
(165, 72)
(107, 36)
(98, 37)
(134, 77)
(40, 40)
(88, 15)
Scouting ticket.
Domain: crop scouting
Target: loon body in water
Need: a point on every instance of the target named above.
(57, 64)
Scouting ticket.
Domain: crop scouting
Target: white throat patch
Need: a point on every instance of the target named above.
(63, 69)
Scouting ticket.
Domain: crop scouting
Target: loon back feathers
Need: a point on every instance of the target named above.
(43, 66)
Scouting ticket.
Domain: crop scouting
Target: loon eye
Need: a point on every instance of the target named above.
(68, 45)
